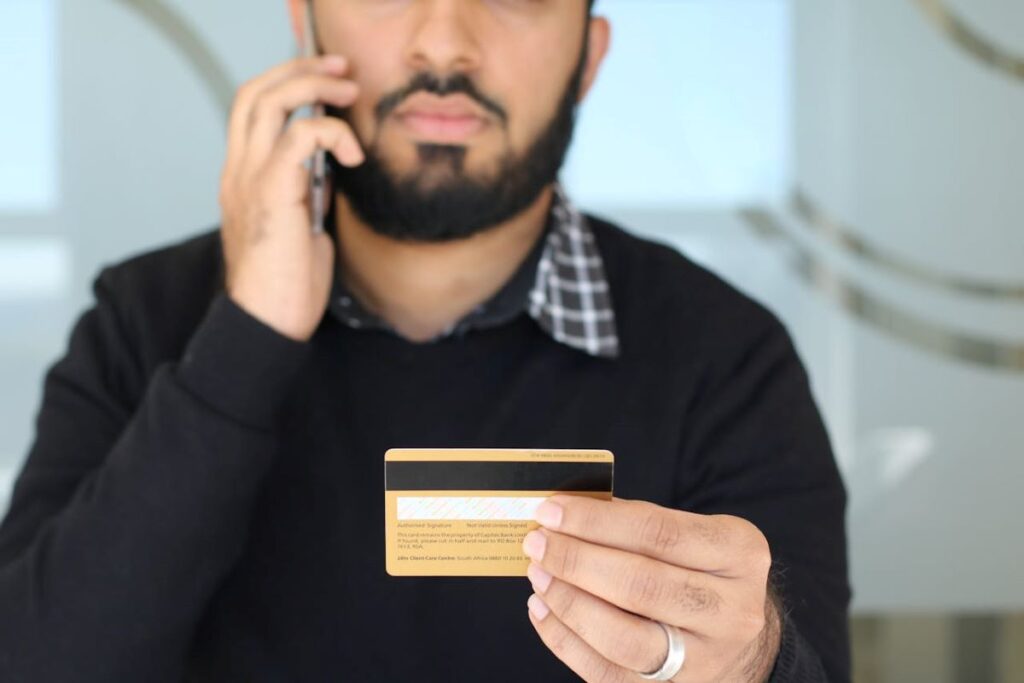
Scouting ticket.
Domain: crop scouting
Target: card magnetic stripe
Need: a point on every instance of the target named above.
(422, 475)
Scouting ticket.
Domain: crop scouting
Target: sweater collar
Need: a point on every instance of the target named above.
(561, 284)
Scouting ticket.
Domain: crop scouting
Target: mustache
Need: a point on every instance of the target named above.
(431, 83)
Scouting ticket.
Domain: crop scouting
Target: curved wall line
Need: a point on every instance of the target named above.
(971, 40)
(893, 320)
(847, 239)
(183, 36)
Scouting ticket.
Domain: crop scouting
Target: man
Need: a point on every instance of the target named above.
(200, 502)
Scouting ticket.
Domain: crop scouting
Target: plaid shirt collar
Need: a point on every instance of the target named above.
(561, 284)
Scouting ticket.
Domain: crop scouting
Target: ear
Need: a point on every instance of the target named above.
(297, 14)
(598, 43)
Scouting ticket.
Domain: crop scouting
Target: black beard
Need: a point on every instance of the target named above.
(456, 206)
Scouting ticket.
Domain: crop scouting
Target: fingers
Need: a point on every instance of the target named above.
(285, 176)
(718, 544)
(636, 583)
(270, 111)
(245, 98)
(625, 639)
(610, 561)
(572, 650)
(277, 267)
(267, 156)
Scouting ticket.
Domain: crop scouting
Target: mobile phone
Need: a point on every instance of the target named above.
(318, 170)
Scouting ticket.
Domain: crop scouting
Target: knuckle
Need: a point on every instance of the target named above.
(586, 516)
(569, 606)
(762, 561)
(338, 129)
(715, 530)
(262, 108)
(246, 91)
(660, 532)
(566, 557)
(754, 543)
(246, 98)
(644, 588)
(690, 596)
(560, 642)
(298, 132)
(738, 528)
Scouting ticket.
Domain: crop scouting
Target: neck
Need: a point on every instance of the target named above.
(421, 289)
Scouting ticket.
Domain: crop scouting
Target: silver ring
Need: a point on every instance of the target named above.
(673, 659)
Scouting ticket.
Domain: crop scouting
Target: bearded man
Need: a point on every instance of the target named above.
(201, 499)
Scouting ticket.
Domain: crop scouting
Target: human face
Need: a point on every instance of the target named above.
(466, 106)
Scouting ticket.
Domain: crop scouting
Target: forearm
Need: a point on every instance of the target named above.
(112, 586)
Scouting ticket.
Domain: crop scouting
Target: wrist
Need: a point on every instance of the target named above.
(270, 315)
(239, 365)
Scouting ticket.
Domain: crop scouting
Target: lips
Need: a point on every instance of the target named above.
(443, 128)
(443, 119)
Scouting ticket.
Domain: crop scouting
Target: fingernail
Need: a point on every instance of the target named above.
(537, 607)
(539, 579)
(534, 544)
(548, 514)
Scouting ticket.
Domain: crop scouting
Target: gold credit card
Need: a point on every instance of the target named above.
(465, 511)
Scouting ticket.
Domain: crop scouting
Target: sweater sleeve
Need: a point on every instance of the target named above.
(124, 518)
(755, 447)
(797, 660)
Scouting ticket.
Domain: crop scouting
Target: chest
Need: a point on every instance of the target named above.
(313, 568)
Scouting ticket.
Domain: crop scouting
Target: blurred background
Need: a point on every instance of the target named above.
(857, 165)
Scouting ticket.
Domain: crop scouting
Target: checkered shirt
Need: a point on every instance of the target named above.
(561, 284)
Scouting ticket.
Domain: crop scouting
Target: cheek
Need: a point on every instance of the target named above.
(535, 77)
(374, 68)
(363, 115)
(534, 109)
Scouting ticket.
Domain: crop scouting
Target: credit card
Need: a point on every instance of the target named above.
(465, 511)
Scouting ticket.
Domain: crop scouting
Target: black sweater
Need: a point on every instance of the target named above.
(203, 497)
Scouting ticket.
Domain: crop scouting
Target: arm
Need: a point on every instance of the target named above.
(755, 447)
(125, 518)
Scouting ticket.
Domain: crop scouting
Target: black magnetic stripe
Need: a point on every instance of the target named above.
(441, 475)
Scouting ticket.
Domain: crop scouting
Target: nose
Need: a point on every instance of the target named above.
(443, 41)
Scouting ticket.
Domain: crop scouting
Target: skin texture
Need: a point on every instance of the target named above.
(604, 565)
(602, 571)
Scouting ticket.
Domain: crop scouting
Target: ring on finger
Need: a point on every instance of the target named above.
(674, 658)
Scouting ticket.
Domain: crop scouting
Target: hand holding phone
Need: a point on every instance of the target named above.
(279, 266)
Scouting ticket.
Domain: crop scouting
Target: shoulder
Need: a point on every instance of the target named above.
(162, 293)
(654, 286)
